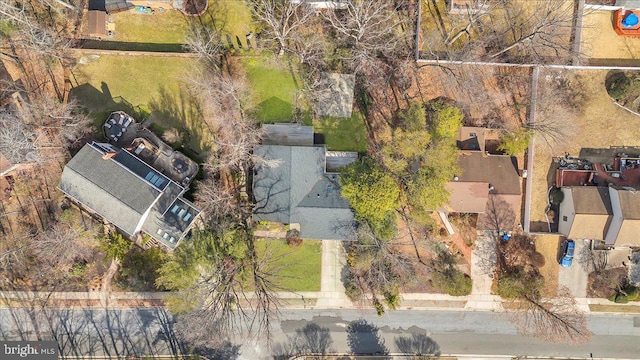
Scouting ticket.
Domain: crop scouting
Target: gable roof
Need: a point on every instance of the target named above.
(592, 211)
(624, 229)
(97, 22)
(299, 191)
(498, 170)
(128, 193)
(467, 197)
(591, 200)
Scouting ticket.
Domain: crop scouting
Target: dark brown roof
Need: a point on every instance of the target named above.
(97, 22)
(630, 204)
(499, 171)
(467, 197)
(591, 200)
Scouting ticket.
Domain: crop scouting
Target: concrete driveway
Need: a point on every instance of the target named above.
(575, 277)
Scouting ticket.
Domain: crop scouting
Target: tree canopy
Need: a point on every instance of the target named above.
(371, 191)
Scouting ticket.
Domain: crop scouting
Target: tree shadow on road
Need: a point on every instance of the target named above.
(312, 338)
(364, 339)
(417, 344)
(225, 351)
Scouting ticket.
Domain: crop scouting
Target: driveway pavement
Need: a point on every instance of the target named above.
(483, 263)
(576, 276)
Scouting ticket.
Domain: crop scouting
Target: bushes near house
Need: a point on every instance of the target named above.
(371, 191)
(115, 246)
(556, 196)
(624, 88)
(515, 142)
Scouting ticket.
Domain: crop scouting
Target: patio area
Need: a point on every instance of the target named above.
(117, 125)
(122, 131)
(624, 171)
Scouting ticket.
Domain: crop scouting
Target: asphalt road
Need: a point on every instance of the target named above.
(148, 331)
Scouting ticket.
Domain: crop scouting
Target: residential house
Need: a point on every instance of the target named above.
(624, 229)
(585, 212)
(137, 188)
(606, 213)
(97, 23)
(489, 184)
(299, 186)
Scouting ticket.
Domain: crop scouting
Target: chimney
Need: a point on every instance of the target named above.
(109, 155)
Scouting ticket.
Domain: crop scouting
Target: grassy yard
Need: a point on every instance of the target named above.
(274, 88)
(152, 83)
(232, 18)
(167, 27)
(299, 267)
(547, 245)
(342, 134)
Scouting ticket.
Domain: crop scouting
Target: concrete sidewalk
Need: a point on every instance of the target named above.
(332, 292)
(291, 300)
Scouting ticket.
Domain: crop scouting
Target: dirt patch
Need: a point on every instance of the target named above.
(605, 283)
(494, 97)
(195, 7)
(547, 245)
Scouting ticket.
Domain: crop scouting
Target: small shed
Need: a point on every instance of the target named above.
(334, 96)
(97, 23)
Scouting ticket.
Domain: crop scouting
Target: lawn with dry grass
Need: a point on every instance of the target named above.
(599, 124)
(600, 41)
(630, 309)
(547, 245)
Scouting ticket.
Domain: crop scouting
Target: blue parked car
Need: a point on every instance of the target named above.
(568, 247)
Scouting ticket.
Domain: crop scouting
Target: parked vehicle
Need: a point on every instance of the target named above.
(568, 247)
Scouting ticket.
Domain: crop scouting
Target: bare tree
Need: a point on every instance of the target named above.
(206, 43)
(227, 106)
(282, 20)
(369, 29)
(377, 269)
(221, 302)
(62, 245)
(536, 31)
(556, 320)
(40, 126)
(557, 100)
(17, 142)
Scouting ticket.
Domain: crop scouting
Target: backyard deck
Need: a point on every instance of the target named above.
(124, 132)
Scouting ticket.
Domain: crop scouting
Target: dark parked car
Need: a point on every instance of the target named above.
(568, 247)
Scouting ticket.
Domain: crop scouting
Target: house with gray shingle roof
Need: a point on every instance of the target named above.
(128, 193)
(298, 189)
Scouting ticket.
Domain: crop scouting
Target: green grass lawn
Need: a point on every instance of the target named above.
(231, 17)
(343, 134)
(273, 87)
(151, 83)
(299, 268)
(167, 27)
